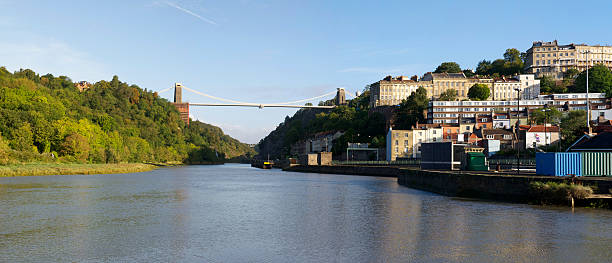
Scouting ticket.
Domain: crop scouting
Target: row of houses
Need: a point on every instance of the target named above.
(406, 144)
(393, 90)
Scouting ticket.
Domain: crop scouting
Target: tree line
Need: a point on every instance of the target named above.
(46, 118)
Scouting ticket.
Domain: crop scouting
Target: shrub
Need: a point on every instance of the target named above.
(558, 193)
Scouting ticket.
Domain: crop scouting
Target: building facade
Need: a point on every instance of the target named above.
(391, 91)
(438, 83)
(506, 88)
(539, 135)
(399, 144)
(552, 59)
(425, 134)
(453, 111)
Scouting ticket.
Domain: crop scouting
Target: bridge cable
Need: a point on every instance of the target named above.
(241, 102)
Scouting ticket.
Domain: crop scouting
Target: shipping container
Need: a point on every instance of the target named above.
(559, 164)
(597, 163)
(437, 155)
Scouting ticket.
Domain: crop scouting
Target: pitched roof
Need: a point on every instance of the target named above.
(542, 128)
(602, 141)
(496, 131)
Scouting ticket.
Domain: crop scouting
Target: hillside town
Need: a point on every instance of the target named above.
(499, 115)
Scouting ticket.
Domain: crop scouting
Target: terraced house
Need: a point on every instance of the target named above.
(552, 59)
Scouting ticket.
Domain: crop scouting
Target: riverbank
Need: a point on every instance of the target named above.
(482, 185)
(68, 169)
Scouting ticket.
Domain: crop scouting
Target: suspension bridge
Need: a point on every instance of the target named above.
(183, 107)
(178, 94)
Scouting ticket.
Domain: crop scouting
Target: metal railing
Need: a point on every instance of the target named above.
(416, 162)
(508, 161)
(390, 163)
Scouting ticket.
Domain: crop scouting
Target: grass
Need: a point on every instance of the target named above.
(35, 169)
(558, 193)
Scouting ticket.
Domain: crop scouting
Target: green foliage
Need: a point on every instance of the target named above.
(573, 126)
(600, 80)
(549, 86)
(512, 63)
(468, 73)
(479, 92)
(448, 67)
(412, 110)
(558, 193)
(548, 115)
(448, 95)
(354, 119)
(570, 74)
(110, 122)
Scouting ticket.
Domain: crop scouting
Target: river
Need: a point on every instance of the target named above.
(235, 213)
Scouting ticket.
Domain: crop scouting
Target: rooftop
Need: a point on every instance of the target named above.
(602, 141)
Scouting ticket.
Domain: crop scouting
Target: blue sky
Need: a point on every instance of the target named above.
(272, 51)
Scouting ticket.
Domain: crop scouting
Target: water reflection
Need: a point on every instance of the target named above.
(235, 213)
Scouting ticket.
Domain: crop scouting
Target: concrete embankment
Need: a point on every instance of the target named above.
(511, 188)
(382, 171)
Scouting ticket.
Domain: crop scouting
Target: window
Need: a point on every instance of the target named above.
(406, 135)
(434, 131)
(507, 137)
(396, 142)
(490, 136)
(396, 149)
(467, 128)
(601, 113)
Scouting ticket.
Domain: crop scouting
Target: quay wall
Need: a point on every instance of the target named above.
(381, 171)
(485, 185)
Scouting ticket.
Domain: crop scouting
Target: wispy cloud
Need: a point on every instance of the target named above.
(401, 69)
(51, 56)
(369, 70)
(189, 12)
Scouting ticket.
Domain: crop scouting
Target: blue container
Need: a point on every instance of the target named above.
(559, 164)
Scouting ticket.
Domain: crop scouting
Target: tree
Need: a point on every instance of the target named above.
(547, 85)
(75, 145)
(570, 74)
(512, 55)
(22, 138)
(468, 73)
(448, 95)
(448, 67)
(600, 80)
(484, 67)
(307, 104)
(479, 92)
(573, 126)
(548, 115)
(412, 109)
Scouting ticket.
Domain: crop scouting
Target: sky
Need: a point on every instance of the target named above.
(276, 51)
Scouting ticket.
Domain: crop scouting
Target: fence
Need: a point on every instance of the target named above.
(417, 162)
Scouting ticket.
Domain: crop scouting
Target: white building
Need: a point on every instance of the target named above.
(540, 135)
(505, 89)
(391, 91)
(451, 111)
(423, 135)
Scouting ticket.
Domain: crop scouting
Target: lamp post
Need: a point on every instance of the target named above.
(518, 120)
(586, 52)
(545, 110)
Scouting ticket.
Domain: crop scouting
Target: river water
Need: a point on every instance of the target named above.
(235, 213)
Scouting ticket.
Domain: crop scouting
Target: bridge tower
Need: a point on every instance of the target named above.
(183, 108)
(340, 97)
(178, 93)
